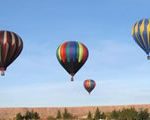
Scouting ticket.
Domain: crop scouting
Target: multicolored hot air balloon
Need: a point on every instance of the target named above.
(89, 85)
(11, 46)
(141, 34)
(72, 55)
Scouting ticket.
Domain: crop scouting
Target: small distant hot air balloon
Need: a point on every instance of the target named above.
(141, 34)
(89, 85)
(10, 47)
(72, 55)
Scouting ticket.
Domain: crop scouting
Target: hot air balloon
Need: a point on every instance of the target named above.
(141, 34)
(72, 55)
(10, 47)
(89, 85)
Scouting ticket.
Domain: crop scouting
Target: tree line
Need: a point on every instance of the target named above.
(130, 114)
(124, 114)
(35, 116)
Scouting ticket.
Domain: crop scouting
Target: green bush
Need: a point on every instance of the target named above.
(58, 115)
(89, 117)
(28, 116)
(97, 114)
(143, 115)
(67, 115)
(19, 116)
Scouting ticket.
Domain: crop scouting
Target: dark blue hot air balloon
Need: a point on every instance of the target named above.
(141, 34)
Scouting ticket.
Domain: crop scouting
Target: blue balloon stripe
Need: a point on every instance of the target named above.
(77, 51)
(145, 35)
(140, 38)
(74, 51)
(139, 41)
(68, 52)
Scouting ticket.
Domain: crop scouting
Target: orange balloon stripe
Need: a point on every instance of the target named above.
(87, 84)
(85, 53)
(63, 52)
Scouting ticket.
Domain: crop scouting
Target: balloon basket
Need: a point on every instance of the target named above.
(72, 79)
(148, 57)
(2, 73)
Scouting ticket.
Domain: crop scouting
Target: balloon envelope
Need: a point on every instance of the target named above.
(141, 34)
(10, 47)
(89, 85)
(72, 55)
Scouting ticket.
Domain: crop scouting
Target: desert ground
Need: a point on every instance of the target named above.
(44, 112)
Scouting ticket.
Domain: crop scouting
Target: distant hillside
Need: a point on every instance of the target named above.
(10, 113)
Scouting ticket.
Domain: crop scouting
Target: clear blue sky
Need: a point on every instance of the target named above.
(116, 63)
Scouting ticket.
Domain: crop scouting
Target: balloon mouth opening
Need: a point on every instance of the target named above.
(2, 71)
(148, 57)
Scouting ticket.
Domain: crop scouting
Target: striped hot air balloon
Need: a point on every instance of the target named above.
(89, 85)
(141, 34)
(72, 55)
(10, 47)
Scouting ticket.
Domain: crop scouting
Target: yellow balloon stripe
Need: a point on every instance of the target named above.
(59, 53)
(148, 33)
(80, 53)
(136, 33)
(133, 31)
(136, 28)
